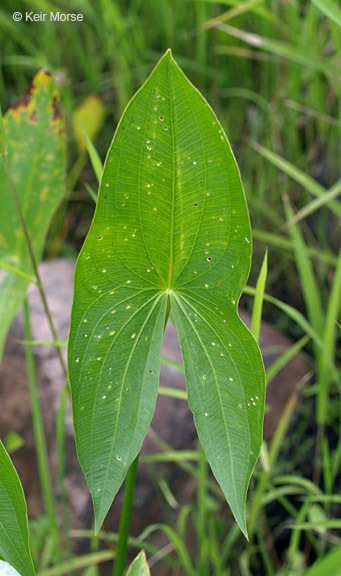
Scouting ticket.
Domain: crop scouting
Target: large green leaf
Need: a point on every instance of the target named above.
(34, 135)
(14, 546)
(171, 226)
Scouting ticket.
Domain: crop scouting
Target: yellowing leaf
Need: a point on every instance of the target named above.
(34, 131)
(89, 116)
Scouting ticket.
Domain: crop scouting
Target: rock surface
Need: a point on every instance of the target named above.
(172, 422)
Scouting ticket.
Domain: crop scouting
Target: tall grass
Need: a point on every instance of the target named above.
(272, 72)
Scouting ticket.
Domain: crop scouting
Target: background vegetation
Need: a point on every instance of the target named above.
(271, 71)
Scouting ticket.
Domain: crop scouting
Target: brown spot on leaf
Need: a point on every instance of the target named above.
(25, 98)
(56, 111)
(34, 116)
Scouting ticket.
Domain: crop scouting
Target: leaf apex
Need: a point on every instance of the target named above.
(244, 530)
(100, 513)
(241, 521)
(99, 519)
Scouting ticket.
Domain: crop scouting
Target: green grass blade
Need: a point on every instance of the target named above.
(308, 183)
(258, 9)
(178, 543)
(316, 204)
(329, 524)
(14, 545)
(29, 279)
(303, 323)
(277, 241)
(93, 155)
(170, 362)
(52, 343)
(333, 498)
(283, 360)
(173, 392)
(312, 112)
(61, 454)
(91, 193)
(287, 51)
(3, 141)
(296, 535)
(308, 485)
(45, 477)
(308, 282)
(78, 563)
(256, 318)
(330, 340)
(273, 455)
(171, 456)
(330, 9)
(237, 10)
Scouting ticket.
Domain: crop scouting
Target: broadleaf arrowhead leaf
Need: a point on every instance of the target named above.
(171, 225)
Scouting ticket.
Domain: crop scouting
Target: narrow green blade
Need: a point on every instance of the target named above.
(171, 224)
(330, 8)
(14, 546)
(34, 132)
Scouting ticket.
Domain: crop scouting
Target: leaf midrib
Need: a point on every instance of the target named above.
(204, 190)
(171, 249)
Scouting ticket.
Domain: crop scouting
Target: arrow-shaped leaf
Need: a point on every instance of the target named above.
(171, 226)
(14, 546)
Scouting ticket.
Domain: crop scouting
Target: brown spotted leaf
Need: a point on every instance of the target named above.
(35, 146)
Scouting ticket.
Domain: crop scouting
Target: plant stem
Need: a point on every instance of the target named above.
(123, 533)
(40, 441)
(33, 259)
(61, 468)
(201, 495)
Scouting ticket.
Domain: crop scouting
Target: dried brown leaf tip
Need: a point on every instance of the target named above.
(30, 103)
(25, 98)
